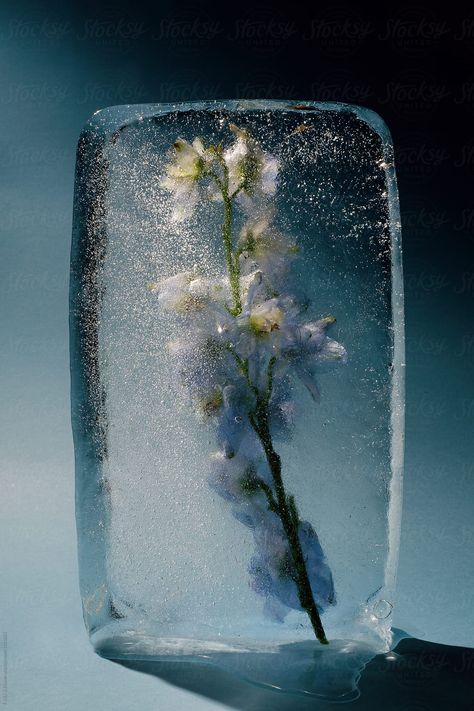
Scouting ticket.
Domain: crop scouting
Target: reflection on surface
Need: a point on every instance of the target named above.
(417, 676)
(299, 669)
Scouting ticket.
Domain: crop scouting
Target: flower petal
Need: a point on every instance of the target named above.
(307, 379)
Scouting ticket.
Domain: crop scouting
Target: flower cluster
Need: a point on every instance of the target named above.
(241, 171)
(247, 338)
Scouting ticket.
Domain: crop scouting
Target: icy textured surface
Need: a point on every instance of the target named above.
(164, 565)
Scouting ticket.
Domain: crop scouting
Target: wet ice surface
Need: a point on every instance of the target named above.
(417, 676)
(174, 562)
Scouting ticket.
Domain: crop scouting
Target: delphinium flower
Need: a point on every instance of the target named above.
(246, 337)
(252, 172)
(183, 175)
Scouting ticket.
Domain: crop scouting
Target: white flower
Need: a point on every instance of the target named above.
(269, 174)
(330, 352)
(173, 291)
(181, 298)
(254, 288)
(189, 164)
(251, 170)
(266, 317)
(308, 349)
(260, 244)
(190, 160)
(187, 293)
(312, 342)
(236, 159)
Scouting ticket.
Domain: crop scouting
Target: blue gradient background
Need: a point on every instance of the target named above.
(59, 66)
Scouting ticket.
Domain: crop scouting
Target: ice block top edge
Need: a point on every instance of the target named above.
(108, 120)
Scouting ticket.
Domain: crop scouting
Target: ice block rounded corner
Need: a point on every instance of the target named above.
(237, 365)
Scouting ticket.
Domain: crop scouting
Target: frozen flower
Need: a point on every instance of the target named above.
(319, 572)
(238, 164)
(259, 296)
(187, 293)
(262, 245)
(240, 339)
(234, 478)
(266, 317)
(272, 569)
(254, 289)
(251, 170)
(243, 481)
(233, 420)
(190, 162)
(331, 352)
(201, 363)
(308, 349)
(174, 293)
(282, 408)
(210, 403)
(311, 336)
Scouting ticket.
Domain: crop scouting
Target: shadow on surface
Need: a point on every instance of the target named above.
(417, 676)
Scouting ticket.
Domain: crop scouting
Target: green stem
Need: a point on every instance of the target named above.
(272, 503)
(283, 505)
(231, 259)
(244, 369)
(289, 518)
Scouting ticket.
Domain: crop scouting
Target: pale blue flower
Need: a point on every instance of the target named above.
(231, 359)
